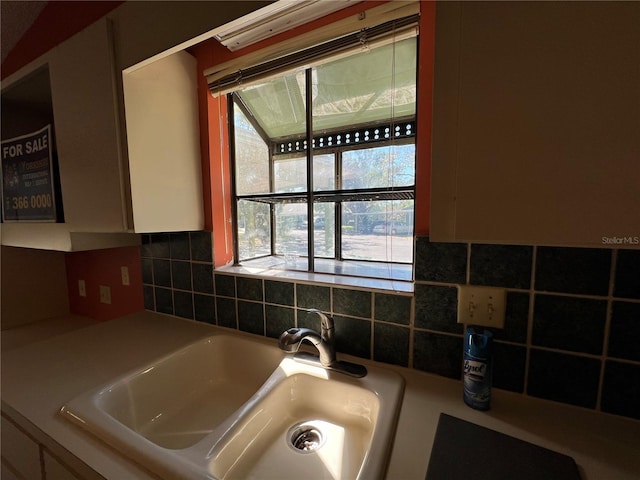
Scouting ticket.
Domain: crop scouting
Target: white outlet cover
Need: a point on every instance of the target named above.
(105, 294)
(482, 306)
(124, 273)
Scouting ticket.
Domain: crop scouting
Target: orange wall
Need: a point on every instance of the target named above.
(102, 267)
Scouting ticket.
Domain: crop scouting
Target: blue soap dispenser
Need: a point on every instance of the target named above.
(478, 368)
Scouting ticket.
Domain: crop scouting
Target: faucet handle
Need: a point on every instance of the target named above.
(326, 325)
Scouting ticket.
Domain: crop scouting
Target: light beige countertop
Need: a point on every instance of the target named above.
(39, 377)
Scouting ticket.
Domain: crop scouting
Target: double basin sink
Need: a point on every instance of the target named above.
(230, 406)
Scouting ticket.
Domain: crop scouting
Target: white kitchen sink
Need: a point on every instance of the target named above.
(232, 407)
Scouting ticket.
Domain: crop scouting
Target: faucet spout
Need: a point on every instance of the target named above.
(291, 339)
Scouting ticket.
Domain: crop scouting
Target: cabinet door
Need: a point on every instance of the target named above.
(85, 113)
(536, 135)
(19, 451)
(163, 137)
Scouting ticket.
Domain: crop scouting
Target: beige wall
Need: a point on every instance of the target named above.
(34, 286)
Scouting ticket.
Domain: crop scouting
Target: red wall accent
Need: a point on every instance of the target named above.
(426, 58)
(102, 267)
(214, 148)
(58, 21)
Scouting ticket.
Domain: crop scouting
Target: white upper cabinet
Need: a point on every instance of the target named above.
(536, 123)
(93, 187)
(163, 137)
(87, 133)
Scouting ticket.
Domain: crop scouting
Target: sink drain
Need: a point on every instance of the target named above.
(305, 438)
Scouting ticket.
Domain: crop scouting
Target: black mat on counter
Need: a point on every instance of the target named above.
(465, 451)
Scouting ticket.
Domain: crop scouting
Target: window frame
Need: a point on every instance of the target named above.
(312, 197)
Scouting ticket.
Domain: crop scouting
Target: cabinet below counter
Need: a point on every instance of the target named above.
(39, 377)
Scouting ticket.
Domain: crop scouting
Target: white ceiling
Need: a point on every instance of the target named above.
(16, 16)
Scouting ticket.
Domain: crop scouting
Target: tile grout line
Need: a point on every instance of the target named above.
(530, 314)
(607, 329)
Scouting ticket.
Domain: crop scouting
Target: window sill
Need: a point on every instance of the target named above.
(379, 276)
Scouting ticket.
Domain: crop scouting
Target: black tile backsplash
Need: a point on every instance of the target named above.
(226, 312)
(183, 304)
(436, 308)
(147, 271)
(391, 343)
(353, 336)
(164, 300)
(564, 378)
(251, 317)
(278, 319)
(440, 262)
(569, 323)
(161, 272)
(281, 293)
(573, 270)
(204, 308)
(159, 245)
(627, 280)
(201, 246)
(313, 296)
(625, 327)
(392, 308)
(562, 331)
(180, 248)
(621, 389)
(356, 303)
(249, 288)
(436, 353)
(516, 318)
(181, 275)
(202, 275)
(509, 363)
(506, 266)
(225, 285)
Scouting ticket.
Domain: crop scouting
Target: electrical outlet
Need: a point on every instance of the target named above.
(82, 288)
(484, 306)
(105, 294)
(124, 273)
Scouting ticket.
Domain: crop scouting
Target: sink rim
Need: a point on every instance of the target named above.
(193, 461)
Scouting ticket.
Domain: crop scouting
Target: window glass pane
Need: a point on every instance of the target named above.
(254, 229)
(389, 166)
(252, 157)
(380, 231)
(324, 223)
(279, 105)
(324, 172)
(291, 229)
(290, 175)
(375, 85)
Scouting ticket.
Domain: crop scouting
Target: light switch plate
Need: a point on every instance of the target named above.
(484, 306)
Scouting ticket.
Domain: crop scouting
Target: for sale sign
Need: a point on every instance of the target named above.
(27, 178)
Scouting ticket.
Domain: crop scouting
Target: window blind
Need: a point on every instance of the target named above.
(342, 39)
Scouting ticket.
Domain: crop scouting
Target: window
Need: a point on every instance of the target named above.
(324, 163)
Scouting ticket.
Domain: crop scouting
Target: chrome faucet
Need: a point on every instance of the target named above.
(291, 339)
